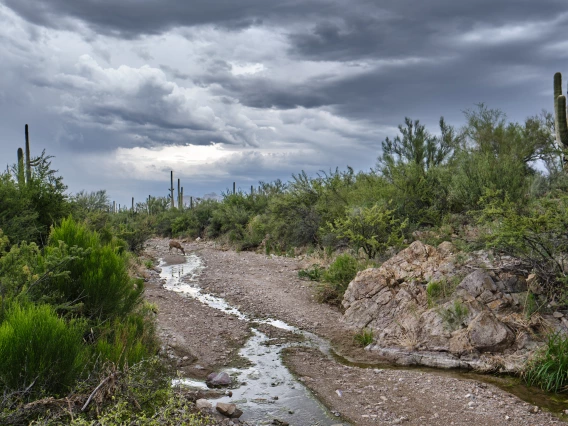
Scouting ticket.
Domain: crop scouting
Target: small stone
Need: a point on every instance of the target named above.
(507, 418)
(534, 409)
(557, 314)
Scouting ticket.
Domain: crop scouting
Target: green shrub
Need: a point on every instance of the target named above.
(533, 231)
(125, 341)
(374, 229)
(98, 275)
(315, 273)
(342, 271)
(336, 279)
(364, 337)
(549, 368)
(39, 350)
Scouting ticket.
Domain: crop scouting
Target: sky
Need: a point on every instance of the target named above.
(223, 91)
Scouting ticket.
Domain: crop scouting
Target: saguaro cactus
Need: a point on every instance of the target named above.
(172, 188)
(21, 173)
(179, 193)
(560, 117)
(28, 159)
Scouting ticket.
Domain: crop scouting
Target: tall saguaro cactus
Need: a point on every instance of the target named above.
(21, 172)
(560, 118)
(28, 159)
(172, 188)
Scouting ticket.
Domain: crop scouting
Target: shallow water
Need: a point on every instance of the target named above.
(266, 389)
(268, 378)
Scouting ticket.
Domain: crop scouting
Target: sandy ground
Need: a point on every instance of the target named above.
(199, 339)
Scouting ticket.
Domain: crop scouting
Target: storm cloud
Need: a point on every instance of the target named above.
(122, 92)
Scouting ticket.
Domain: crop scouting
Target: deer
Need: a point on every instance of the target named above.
(176, 244)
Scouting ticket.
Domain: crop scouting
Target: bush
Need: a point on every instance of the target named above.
(336, 279)
(98, 274)
(126, 341)
(373, 229)
(534, 232)
(315, 273)
(39, 350)
(549, 367)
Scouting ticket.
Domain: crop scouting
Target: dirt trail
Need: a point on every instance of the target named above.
(200, 339)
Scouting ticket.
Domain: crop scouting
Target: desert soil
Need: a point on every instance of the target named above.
(200, 339)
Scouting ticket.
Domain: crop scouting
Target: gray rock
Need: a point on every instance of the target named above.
(476, 283)
(488, 334)
(218, 379)
(203, 404)
(228, 410)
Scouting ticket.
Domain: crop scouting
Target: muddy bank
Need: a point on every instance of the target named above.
(265, 286)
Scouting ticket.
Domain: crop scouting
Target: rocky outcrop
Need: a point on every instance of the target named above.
(471, 316)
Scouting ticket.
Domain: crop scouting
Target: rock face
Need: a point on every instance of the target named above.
(470, 318)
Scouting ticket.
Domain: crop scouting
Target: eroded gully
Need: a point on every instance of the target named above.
(265, 390)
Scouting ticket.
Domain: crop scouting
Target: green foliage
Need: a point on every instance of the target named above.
(315, 273)
(535, 232)
(548, 369)
(374, 229)
(417, 146)
(28, 211)
(98, 276)
(39, 351)
(126, 341)
(364, 337)
(498, 156)
(342, 271)
(454, 316)
(336, 279)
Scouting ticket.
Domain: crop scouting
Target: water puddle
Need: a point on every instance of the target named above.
(266, 390)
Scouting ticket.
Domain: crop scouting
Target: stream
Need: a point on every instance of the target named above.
(267, 390)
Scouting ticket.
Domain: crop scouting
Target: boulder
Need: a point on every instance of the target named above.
(488, 334)
(229, 410)
(475, 284)
(218, 379)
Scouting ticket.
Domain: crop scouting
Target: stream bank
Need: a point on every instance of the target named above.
(201, 339)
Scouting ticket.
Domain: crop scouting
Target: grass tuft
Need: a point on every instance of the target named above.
(549, 367)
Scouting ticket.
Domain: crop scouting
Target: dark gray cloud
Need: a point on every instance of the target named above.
(131, 18)
(281, 86)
